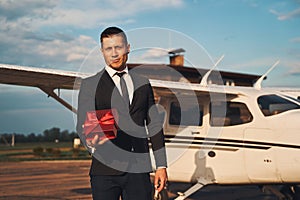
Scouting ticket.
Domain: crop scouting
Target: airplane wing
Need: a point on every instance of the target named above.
(162, 87)
(46, 79)
(50, 79)
(39, 77)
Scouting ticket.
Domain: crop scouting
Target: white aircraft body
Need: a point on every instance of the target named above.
(214, 134)
(255, 141)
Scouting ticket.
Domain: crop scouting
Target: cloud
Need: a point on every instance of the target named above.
(49, 51)
(74, 50)
(13, 11)
(295, 40)
(107, 11)
(260, 66)
(293, 68)
(257, 66)
(286, 73)
(152, 55)
(39, 13)
(294, 51)
(286, 16)
(26, 43)
(252, 3)
(46, 33)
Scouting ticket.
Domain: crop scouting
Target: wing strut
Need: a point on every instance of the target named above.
(257, 84)
(205, 77)
(52, 94)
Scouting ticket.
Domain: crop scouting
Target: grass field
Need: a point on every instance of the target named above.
(42, 151)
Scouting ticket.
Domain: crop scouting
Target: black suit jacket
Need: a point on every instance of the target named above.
(129, 152)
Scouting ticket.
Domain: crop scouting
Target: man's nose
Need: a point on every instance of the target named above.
(114, 53)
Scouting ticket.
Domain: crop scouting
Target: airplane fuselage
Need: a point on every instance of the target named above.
(256, 139)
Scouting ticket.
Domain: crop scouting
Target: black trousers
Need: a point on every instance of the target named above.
(129, 186)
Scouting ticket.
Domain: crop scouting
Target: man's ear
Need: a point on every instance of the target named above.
(128, 49)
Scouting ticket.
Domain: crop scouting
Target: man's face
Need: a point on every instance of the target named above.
(115, 51)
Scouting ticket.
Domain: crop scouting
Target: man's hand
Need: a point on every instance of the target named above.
(95, 141)
(160, 179)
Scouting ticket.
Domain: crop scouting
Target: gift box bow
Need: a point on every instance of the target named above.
(101, 121)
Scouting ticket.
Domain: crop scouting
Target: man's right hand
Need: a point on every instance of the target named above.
(95, 142)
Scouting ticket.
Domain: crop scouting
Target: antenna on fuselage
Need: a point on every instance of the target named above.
(257, 84)
(206, 75)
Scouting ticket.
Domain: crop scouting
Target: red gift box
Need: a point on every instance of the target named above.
(101, 123)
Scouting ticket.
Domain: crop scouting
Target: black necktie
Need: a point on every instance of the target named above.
(124, 87)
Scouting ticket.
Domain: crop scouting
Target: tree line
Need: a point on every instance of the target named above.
(48, 135)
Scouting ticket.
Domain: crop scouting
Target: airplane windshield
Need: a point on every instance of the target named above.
(274, 104)
(292, 98)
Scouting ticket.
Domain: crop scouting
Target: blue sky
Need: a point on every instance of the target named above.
(58, 34)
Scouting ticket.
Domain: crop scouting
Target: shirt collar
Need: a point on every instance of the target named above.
(113, 72)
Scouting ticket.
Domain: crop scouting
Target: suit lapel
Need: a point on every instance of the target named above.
(106, 79)
(106, 83)
(135, 87)
(111, 87)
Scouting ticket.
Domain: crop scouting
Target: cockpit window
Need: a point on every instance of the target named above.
(186, 115)
(292, 98)
(274, 104)
(229, 114)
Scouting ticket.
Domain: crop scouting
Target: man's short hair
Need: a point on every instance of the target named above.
(110, 31)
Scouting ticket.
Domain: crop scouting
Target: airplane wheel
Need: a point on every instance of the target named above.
(291, 194)
(163, 195)
(287, 192)
(297, 192)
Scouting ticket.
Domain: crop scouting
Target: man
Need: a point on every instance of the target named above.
(121, 166)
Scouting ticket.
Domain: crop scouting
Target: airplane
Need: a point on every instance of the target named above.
(214, 134)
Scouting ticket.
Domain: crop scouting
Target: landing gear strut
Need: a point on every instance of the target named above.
(201, 183)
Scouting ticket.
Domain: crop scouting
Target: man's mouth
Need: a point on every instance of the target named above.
(116, 61)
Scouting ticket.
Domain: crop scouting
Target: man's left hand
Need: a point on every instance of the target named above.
(160, 179)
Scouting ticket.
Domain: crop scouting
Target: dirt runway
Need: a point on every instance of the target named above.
(45, 180)
(64, 180)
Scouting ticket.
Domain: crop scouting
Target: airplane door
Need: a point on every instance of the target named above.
(260, 160)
